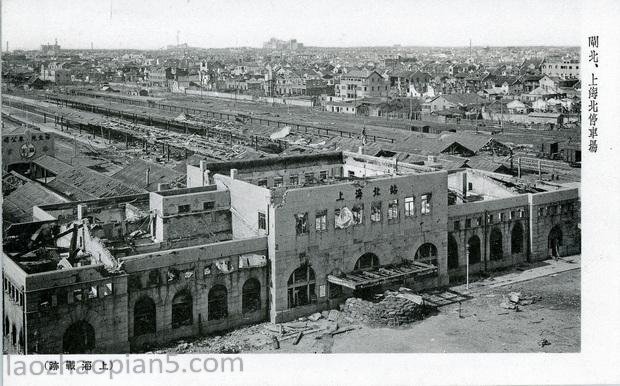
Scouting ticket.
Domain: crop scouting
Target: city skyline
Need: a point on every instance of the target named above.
(138, 25)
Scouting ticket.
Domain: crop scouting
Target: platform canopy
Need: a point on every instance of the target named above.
(375, 276)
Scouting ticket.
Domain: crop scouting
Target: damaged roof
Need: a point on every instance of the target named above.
(17, 206)
(134, 174)
(81, 183)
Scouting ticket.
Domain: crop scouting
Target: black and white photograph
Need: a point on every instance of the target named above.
(215, 182)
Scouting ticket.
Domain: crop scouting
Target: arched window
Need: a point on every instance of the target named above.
(427, 253)
(473, 244)
(182, 309)
(218, 302)
(555, 241)
(301, 287)
(516, 239)
(144, 316)
(453, 253)
(250, 298)
(20, 341)
(13, 335)
(495, 241)
(79, 338)
(367, 260)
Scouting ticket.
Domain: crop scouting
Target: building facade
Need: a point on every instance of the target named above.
(268, 239)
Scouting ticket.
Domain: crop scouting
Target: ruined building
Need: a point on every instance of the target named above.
(267, 239)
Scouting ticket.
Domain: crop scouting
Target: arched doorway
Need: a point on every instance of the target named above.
(144, 316)
(79, 338)
(250, 296)
(555, 241)
(453, 252)
(301, 287)
(516, 239)
(427, 253)
(473, 244)
(495, 243)
(182, 310)
(367, 260)
(218, 302)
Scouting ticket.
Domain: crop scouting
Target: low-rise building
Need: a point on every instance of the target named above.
(267, 239)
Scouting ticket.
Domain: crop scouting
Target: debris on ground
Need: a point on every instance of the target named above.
(314, 317)
(516, 299)
(544, 342)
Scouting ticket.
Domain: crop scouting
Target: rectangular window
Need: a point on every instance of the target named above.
(409, 206)
(92, 293)
(154, 278)
(208, 205)
(262, 221)
(521, 213)
(468, 223)
(320, 221)
(501, 216)
(262, 182)
(293, 179)
(106, 290)
(278, 182)
(457, 225)
(301, 223)
(61, 297)
(45, 299)
(375, 211)
(78, 295)
(351, 173)
(358, 214)
(184, 208)
(392, 209)
(479, 221)
(425, 203)
(323, 175)
(309, 177)
(541, 212)
(512, 214)
(490, 219)
(470, 186)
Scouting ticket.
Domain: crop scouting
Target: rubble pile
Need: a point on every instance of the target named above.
(516, 299)
(393, 310)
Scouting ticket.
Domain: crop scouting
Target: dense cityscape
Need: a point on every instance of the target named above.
(156, 200)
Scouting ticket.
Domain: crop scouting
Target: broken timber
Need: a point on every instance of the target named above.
(382, 275)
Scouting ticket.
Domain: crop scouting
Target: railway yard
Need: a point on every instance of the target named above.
(174, 129)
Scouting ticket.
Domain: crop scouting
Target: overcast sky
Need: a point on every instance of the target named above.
(153, 24)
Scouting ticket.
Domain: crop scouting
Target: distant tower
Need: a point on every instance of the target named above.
(55, 41)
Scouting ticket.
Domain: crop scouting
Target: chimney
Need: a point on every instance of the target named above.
(81, 211)
(148, 176)
(233, 173)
